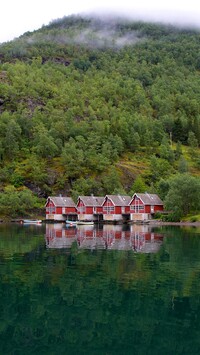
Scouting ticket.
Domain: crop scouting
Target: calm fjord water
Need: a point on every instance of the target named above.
(99, 290)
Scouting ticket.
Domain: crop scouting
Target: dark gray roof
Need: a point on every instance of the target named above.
(62, 201)
(119, 200)
(92, 200)
(149, 199)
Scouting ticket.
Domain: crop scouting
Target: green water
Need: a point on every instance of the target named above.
(106, 290)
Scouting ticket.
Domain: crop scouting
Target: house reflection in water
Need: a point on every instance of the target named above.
(58, 236)
(139, 238)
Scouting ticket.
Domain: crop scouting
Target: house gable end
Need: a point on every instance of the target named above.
(136, 199)
(118, 200)
(90, 201)
(60, 202)
(49, 202)
(147, 199)
(108, 202)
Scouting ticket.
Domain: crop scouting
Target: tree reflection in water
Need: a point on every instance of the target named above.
(102, 290)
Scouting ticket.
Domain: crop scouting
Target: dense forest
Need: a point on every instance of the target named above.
(92, 105)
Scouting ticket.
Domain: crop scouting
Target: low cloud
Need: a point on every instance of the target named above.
(99, 34)
(104, 30)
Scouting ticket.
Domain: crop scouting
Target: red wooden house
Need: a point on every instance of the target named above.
(60, 208)
(144, 206)
(116, 207)
(89, 208)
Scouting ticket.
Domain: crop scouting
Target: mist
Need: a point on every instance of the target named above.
(105, 30)
(100, 32)
(29, 16)
(177, 12)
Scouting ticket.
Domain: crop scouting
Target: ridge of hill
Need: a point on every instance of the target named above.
(93, 105)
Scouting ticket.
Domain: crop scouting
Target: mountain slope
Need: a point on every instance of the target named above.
(88, 105)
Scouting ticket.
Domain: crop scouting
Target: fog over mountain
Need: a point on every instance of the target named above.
(19, 17)
(98, 32)
(177, 13)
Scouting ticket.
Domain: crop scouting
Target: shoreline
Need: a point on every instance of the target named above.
(152, 223)
(182, 223)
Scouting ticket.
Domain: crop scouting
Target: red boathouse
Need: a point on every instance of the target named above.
(89, 208)
(116, 207)
(60, 208)
(144, 206)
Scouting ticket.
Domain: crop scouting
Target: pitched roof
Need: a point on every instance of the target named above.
(149, 199)
(119, 200)
(62, 201)
(91, 200)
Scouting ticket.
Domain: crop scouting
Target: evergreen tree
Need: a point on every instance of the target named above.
(138, 186)
(183, 196)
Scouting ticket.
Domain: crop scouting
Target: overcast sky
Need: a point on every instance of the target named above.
(19, 16)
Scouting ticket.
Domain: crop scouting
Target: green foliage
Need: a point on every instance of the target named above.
(82, 64)
(178, 152)
(163, 188)
(192, 141)
(138, 186)
(182, 165)
(165, 150)
(18, 203)
(183, 195)
(73, 159)
(69, 93)
(193, 144)
(160, 168)
(85, 186)
(111, 182)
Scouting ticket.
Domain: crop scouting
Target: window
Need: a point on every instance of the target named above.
(81, 209)
(51, 209)
(136, 208)
(108, 209)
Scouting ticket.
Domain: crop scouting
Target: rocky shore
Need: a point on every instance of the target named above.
(181, 223)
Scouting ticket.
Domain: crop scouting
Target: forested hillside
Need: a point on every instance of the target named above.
(98, 106)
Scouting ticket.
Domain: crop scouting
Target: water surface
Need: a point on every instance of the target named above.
(99, 290)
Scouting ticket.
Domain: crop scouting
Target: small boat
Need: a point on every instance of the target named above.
(87, 223)
(32, 221)
(71, 223)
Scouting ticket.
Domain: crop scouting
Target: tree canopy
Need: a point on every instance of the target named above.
(83, 97)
